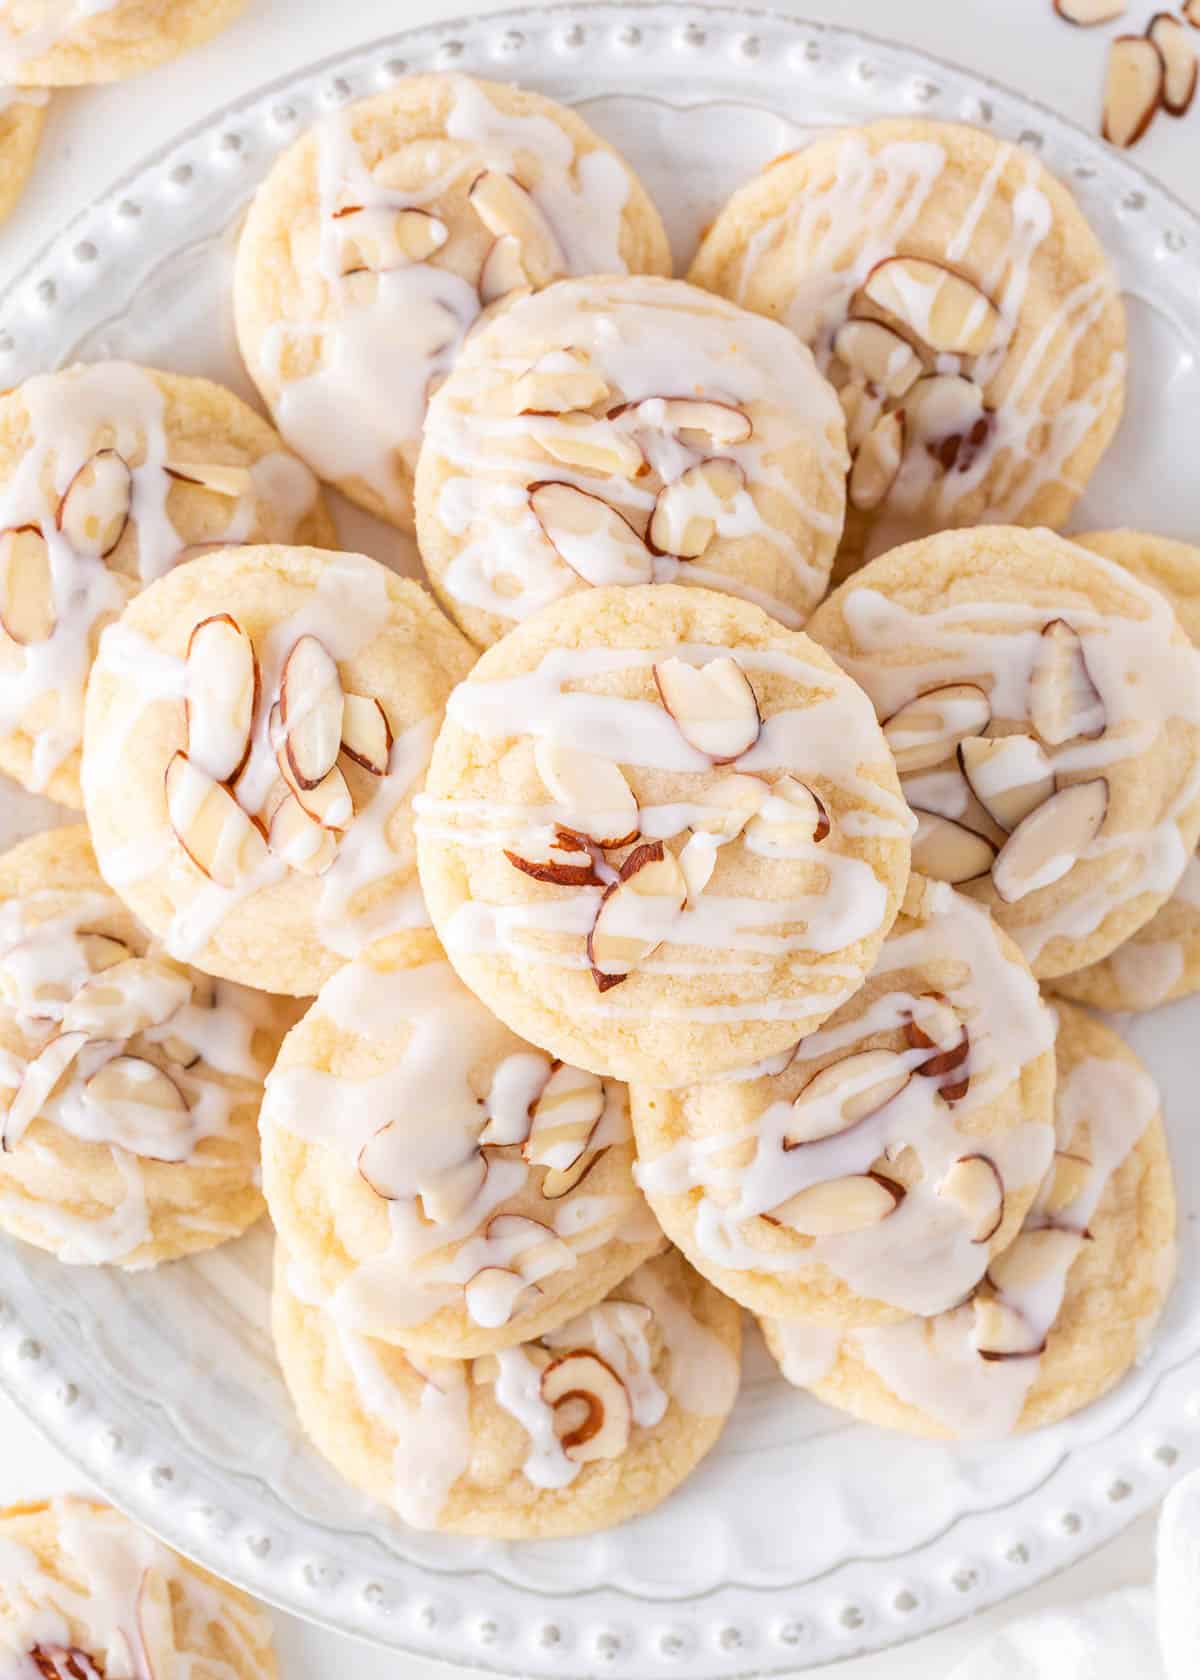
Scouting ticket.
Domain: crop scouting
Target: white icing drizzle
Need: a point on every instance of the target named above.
(58, 19)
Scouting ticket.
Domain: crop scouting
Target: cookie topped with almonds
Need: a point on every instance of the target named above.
(110, 475)
(629, 430)
(258, 723)
(1043, 707)
(951, 289)
(379, 239)
(662, 834)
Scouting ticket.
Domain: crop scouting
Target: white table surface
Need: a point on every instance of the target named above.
(95, 135)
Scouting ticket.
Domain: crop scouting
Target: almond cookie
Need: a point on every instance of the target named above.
(589, 1425)
(257, 725)
(1161, 962)
(52, 43)
(1043, 706)
(129, 1084)
(1063, 1313)
(440, 1182)
(380, 237)
(630, 430)
(662, 835)
(84, 1594)
(952, 291)
(22, 114)
(109, 475)
(896, 1149)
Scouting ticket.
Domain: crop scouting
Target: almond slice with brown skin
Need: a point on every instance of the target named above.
(1051, 840)
(222, 841)
(557, 383)
(594, 539)
(505, 207)
(366, 733)
(1000, 1332)
(791, 815)
(27, 608)
(591, 445)
(943, 411)
(128, 997)
(724, 423)
(311, 706)
(1032, 1257)
(877, 462)
(564, 1116)
(684, 520)
(329, 802)
(66, 1662)
(300, 840)
(1068, 1178)
(596, 799)
(232, 482)
(495, 1295)
(729, 805)
(974, 1183)
(840, 1205)
(861, 409)
(502, 271)
(145, 1111)
(94, 510)
(877, 355)
(1064, 702)
(935, 1025)
(570, 861)
(714, 705)
(1086, 13)
(925, 732)
(603, 1430)
(41, 1078)
(1179, 62)
(698, 860)
(946, 851)
(378, 238)
(844, 1093)
(1010, 776)
(557, 1184)
(222, 690)
(636, 913)
(1133, 88)
(947, 311)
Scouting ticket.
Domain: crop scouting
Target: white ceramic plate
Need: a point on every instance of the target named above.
(803, 1538)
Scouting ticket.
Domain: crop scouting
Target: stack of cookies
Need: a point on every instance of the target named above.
(651, 934)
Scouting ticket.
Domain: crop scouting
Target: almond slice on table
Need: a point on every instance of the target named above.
(844, 1093)
(636, 913)
(495, 1295)
(1051, 840)
(505, 207)
(378, 238)
(1010, 776)
(975, 1184)
(877, 462)
(27, 607)
(95, 507)
(1032, 1257)
(299, 839)
(1089, 12)
(1064, 702)
(946, 851)
(591, 445)
(41, 1078)
(723, 423)
(684, 520)
(948, 312)
(926, 731)
(1069, 1177)
(791, 815)
(714, 705)
(502, 271)
(128, 997)
(558, 382)
(597, 800)
(147, 1111)
(594, 539)
(366, 733)
(603, 1432)
(570, 861)
(311, 705)
(222, 841)
(1179, 62)
(222, 693)
(878, 355)
(729, 805)
(840, 1205)
(1133, 88)
(233, 482)
(1001, 1332)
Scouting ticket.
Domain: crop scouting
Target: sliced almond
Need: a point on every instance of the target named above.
(591, 445)
(861, 409)
(378, 238)
(495, 1295)
(128, 997)
(946, 851)
(1133, 88)
(454, 1190)
(1069, 1177)
(1000, 1332)
(877, 461)
(1089, 12)
(596, 799)
(1010, 776)
(1051, 840)
(27, 607)
(941, 411)
(300, 840)
(926, 731)
(66, 1662)
(222, 693)
(557, 383)
(843, 1094)
(1032, 1257)
(569, 861)
(1179, 62)
(840, 1205)
(564, 1117)
(41, 1078)
(311, 705)
(636, 913)
(729, 805)
(603, 1431)
(722, 422)
(366, 733)
(556, 1183)
(934, 1024)
(713, 704)
(594, 539)
(698, 859)
(791, 815)
(974, 1182)
(144, 1110)
(95, 507)
(220, 838)
(233, 482)
(878, 355)
(504, 207)
(947, 311)
(1064, 702)
(502, 271)
(684, 520)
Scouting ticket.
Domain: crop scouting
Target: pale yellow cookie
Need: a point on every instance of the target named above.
(1161, 962)
(662, 836)
(952, 290)
(110, 474)
(82, 1589)
(258, 724)
(438, 1181)
(379, 238)
(1064, 1312)
(129, 1084)
(1043, 706)
(22, 116)
(895, 1151)
(593, 1423)
(631, 430)
(52, 43)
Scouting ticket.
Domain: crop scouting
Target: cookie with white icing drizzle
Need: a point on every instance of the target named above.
(629, 430)
(440, 1182)
(61, 43)
(878, 1169)
(110, 474)
(662, 835)
(1161, 961)
(380, 237)
(950, 287)
(129, 1083)
(591, 1424)
(1064, 1312)
(86, 1595)
(258, 723)
(1043, 706)
(22, 116)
